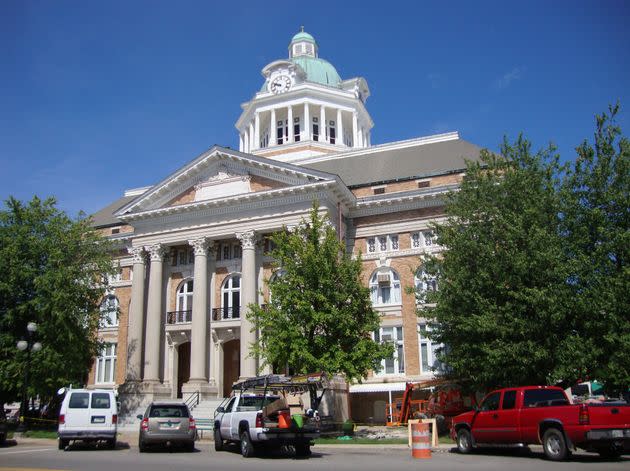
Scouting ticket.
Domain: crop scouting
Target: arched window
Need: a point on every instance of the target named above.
(185, 296)
(109, 311)
(231, 297)
(385, 287)
(424, 284)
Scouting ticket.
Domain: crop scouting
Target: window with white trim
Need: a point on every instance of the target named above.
(422, 239)
(385, 287)
(396, 364)
(109, 311)
(382, 243)
(106, 364)
(231, 293)
(424, 284)
(185, 296)
(428, 351)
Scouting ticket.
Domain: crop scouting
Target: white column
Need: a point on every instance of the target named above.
(248, 296)
(274, 129)
(290, 123)
(339, 127)
(241, 143)
(369, 138)
(252, 143)
(307, 122)
(360, 137)
(246, 141)
(199, 328)
(322, 125)
(257, 130)
(212, 261)
(154, 315)
(136, 315)
(355, 130)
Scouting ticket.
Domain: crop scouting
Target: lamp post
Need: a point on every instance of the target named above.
(30, 346)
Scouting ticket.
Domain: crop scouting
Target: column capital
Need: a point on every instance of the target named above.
(248, 239)
(156, 252)
(138, 254)
(200, 245)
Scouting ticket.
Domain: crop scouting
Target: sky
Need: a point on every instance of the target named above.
(97, 97)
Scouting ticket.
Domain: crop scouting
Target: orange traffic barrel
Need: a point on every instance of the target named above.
(284, 420)
(420, 441)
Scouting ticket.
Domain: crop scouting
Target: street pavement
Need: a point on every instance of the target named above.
(39, 454)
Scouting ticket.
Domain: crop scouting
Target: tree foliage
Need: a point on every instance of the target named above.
(52, 270)
(320, 317)
(596, 197)
(534, 281)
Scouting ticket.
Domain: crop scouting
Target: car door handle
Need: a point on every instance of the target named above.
(495, 416)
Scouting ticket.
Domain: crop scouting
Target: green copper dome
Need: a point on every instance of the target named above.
(318, 70)
(303, 36)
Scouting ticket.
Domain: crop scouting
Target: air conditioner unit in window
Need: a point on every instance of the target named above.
(383, 279)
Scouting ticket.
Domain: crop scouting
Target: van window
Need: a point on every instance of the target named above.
(544, 398)
(100, 401)
(79, 400)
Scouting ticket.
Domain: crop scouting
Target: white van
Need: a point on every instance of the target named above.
(89, 415)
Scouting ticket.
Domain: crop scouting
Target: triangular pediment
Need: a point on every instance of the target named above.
(222, 174)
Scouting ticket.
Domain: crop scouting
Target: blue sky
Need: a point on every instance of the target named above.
(98, 97)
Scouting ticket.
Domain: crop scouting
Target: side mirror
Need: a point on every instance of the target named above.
(220, 410)
(140, 416)
(476, 408)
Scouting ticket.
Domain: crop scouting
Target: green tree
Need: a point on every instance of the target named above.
(320, 316)
(596, 209)
(52, 271)
(502, 305)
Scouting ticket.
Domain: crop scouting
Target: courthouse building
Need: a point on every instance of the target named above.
(192, 248)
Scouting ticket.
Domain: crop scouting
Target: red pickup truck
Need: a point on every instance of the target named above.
(543, 414)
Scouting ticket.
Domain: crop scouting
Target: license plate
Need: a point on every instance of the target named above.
(617, 433)
(98, 420)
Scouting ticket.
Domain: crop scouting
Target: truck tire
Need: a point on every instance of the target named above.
(464, 441)
(610, 453)
(218, 441)
(555, 445)
(303, 449)
(247, 447)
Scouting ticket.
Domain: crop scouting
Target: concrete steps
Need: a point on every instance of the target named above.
(205, 409)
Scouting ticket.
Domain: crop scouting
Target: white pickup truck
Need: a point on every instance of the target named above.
(267, 412)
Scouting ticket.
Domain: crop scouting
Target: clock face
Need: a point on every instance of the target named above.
(280, 84)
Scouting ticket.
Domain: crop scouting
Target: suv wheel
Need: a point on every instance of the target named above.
(247, 447)
(63, 443)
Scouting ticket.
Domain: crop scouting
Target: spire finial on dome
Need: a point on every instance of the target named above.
(301, 29)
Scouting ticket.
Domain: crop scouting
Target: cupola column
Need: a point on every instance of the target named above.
(241, 143)
(272, 127)
(252, 144)
(355, 130)
(290, 137)
(256, 130)
(339, 139)
(245, 142)
(307, 122)
(322, 125)
(360, 136)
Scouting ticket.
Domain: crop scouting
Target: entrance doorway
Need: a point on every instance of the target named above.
(231, 364)
(183, 366)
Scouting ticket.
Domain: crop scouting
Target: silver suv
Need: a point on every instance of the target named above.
(167, 423)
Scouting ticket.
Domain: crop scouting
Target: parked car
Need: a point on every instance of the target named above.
(544, 414)
(167, 423)
(89, 415)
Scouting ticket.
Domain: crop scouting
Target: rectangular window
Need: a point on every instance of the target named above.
(396, 364)
(116, 231)
(280, 133)
(415, 240)
(237, 251)
(315, 129)
(106, 364)
(226, 252)
(429, 238)
(379, 190)
(428, 351)
(509, 400)
(331, 132)
(424, 184)
(394, 242)
(382, 243)
(182, 257)
(371, 245)
(79, 400)
(296, 129)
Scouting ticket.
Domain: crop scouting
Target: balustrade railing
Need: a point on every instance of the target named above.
(178, 317)
(225, 313)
